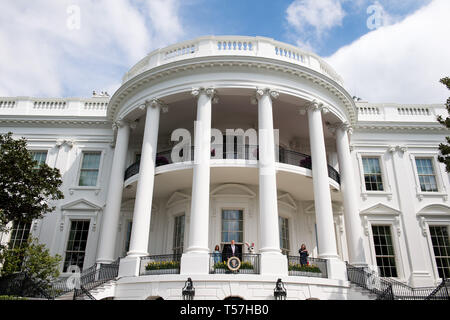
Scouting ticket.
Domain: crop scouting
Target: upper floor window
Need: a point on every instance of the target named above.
(89, 169)
(284, 234)
(441, 248)
(372, 174)
(427, 177)
(39, 156)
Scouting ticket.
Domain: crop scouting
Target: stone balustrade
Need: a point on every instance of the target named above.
(233, 46)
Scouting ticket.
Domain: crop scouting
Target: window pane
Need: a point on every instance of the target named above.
(232, 225)
(19, 234)
(89, 169)
(384, 251)
(39, 156)
(372, 174)
(426, 175)
(76, 246)
(441, 248)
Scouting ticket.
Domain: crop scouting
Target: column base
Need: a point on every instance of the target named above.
(421, 279)
(274, 264)
(129, 267)
(194, 263)
(336, 269)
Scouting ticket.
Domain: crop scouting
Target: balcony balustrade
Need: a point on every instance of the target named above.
(250, 153)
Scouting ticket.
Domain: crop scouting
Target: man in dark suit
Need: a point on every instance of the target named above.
(231, 250)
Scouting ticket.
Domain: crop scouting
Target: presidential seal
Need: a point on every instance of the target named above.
(234, 263)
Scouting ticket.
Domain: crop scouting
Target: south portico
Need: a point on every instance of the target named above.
(195, 260)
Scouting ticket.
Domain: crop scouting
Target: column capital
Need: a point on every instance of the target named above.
(316, 105)
(210, 92)
(344, 126)
(154, 103)
(260, 92)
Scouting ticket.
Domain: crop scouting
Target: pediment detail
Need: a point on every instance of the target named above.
(233, 190)
(435, 210)
(176, 198)
(287, 200)
(380, 209)
(336, 207)
(81, 204)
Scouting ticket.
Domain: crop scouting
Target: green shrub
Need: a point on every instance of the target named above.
(304, 268)
(161, 265)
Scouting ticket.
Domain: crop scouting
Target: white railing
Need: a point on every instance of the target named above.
(400, 112)
(25, 106)
(235, 46)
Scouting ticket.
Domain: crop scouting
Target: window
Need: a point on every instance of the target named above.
(283, 224)
(232, 226)
(128, 236)
(89, 169)
(384, 251)
(426, 175)
(76, 245)
(19, 234)
(372, 174)
(39, 156)
(441, 248)
(178, 235)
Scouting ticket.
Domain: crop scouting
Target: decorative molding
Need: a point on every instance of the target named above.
(61, 142)
(423, 226)
(156, 74)
(273, 94)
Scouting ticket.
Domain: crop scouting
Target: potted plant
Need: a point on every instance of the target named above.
(296, 269)
(162, 267)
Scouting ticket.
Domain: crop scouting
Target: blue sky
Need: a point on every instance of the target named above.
(400, 58)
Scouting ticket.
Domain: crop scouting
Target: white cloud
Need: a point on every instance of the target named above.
(402, 62)
(318, 15)
(41, 56)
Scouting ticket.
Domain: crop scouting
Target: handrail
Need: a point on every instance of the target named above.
(388, 288)
(285, 156)
(233, 46)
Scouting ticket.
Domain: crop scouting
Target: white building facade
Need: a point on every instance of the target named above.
(246, 139)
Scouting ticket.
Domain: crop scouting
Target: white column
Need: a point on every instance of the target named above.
(140, 230)
(272, 261)
(111, 215)
(196, 258)
(353, 228)
(322, 198)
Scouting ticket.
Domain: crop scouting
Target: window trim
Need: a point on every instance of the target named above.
(70, 220)
(426, 220)
(442, 190)
(393, 246)
(174, 217)
(79, 161)
(221, 225)
(391, 219)
(384, 175)
(289, 223)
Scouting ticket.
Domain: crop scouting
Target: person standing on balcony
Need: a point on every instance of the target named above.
(303, 255)
(216, 254)
(230, 250)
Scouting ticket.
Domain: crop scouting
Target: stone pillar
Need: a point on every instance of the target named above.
(196, 258)
(140, 230)
(322, 197)
(353, 227)
(272, 261)
(111, 215)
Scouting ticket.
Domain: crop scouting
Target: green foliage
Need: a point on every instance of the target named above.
(304, 268)
(245, 265)
(445, 147)
(26, 189)
(33, 259)
(158, 265)
(11, 298)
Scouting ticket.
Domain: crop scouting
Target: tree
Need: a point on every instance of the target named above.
(445, 147)
(26, 188)
(33, 259)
